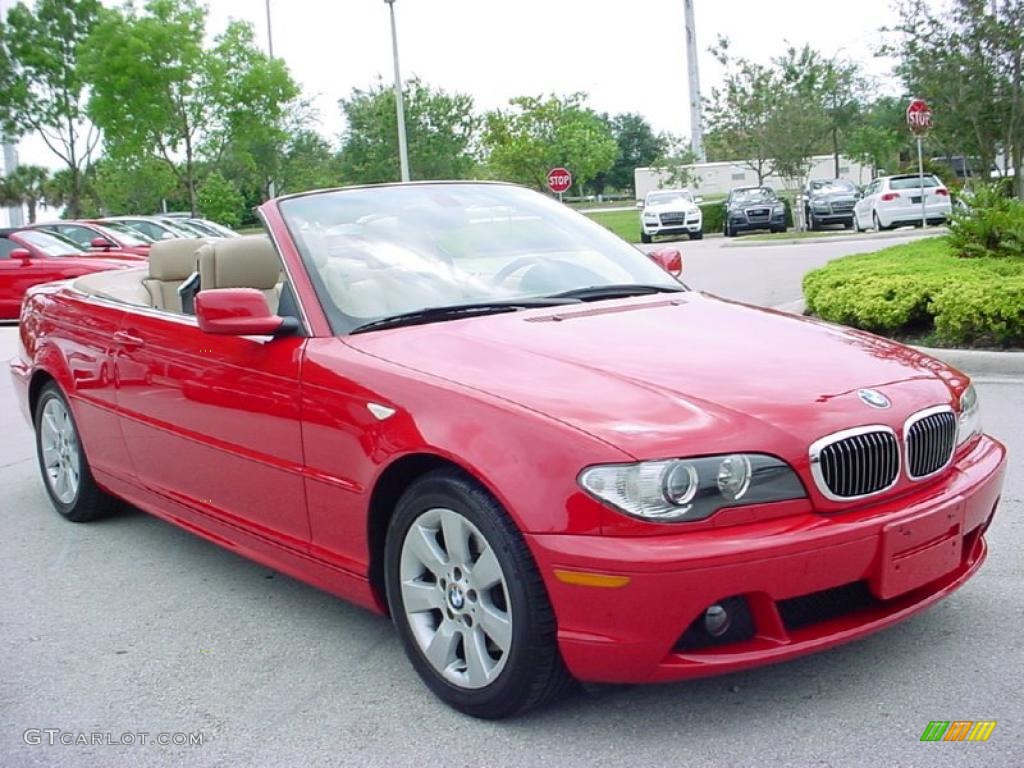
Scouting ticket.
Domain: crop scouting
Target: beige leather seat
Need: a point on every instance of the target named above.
(241, 262)
(170, 264)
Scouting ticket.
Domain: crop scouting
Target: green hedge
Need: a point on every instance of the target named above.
(923, 289)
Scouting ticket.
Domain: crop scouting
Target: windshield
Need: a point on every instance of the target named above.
(912, 182)
(664, 198)
(382, 251)
(127, 235)
(830, 186)
(754, 195)
(51, 243)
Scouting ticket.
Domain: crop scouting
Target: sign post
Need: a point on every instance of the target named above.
(919, 120)
(559, 181)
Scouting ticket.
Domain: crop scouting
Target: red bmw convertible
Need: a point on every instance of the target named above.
(471, 408)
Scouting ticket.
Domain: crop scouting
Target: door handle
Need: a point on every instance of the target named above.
(127, 340)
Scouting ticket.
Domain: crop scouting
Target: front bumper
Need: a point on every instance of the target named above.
(691, 225)
(633, 633)
(741, 223)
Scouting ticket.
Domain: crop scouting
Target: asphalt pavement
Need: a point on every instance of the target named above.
(131, 626)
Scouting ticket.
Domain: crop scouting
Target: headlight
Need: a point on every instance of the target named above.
(970, 416)
(779, 208)
(819, 204)
(682, 490)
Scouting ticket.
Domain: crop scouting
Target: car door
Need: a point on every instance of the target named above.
(864, 205)
(212, 423)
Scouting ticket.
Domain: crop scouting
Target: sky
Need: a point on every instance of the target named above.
(629, 57)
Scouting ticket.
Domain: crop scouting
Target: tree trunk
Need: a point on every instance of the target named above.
(74, 210)
(31, 203)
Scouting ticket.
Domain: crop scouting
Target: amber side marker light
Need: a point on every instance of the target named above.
(586, 579)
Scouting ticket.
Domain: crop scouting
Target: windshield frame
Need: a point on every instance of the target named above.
(342, 324)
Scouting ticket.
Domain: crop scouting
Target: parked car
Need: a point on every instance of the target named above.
(100, 237)
(151, 227)
(829, 201)
(29, 257)
(670, 212)
(751, 208)
(893, 201)
(472, 408)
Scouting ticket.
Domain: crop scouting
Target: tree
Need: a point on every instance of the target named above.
(879, 134)
(638, 147)
(440, 131)
(138, 185)
(740, 113)
(220, 200)
(25, 185)
(675, 163)
(42, 84)
(967, 63)
(309, 163)
(536, 134)
(158, 93)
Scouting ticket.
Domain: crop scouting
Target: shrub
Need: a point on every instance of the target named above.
(922, 288)
(220, 201)
(992, 226)
(714, 216)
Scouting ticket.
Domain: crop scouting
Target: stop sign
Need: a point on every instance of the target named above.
(559, 180)
(919, 116)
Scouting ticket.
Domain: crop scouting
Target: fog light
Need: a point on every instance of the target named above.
(716, 621)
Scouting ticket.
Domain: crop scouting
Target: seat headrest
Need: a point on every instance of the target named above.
(239, 262)
(173, 259)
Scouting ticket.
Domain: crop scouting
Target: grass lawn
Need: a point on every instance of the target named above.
(625, 224)
(251, 231)
(924, 290)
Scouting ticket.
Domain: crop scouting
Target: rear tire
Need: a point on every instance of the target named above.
(812, 223)
(65, 470)
(468, 601)
(877, 223)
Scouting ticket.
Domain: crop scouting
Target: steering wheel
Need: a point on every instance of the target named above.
(514, 266)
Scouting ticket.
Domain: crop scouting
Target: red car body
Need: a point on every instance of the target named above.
(18, 275)
(277, 455)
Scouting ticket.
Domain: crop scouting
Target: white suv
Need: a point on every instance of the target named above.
(894, 201)
(670, 212)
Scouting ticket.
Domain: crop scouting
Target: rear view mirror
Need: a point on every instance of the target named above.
(669, 259)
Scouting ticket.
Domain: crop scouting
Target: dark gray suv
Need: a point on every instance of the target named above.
(749, 208)
(829, 201)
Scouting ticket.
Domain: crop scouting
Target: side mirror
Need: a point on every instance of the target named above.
(239, 312)
(101, 244)
(669, 259)
(21, 254)
(698, 200)
(639, 205)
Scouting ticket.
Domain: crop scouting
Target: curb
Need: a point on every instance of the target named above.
(863, 238)
(977, 362)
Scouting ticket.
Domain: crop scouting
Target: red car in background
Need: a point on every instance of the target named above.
(29, 257)
(468, 407)
(95, 236)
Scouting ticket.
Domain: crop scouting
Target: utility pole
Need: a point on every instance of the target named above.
(271, 186)
(403, 149)
(696, 116)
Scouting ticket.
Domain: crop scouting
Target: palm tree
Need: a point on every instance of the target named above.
(25, 186)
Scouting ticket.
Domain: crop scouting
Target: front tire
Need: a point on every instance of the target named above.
(697, 235)
(66, 475)
(468, 601)
(645, 238)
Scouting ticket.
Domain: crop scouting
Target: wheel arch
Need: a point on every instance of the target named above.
(40, 378)
(387, 490)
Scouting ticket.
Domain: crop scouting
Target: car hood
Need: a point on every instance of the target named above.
(654, 375)
(671, 207)
(754, 204)
(833, 197)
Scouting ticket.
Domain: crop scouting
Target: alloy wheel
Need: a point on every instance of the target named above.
(456, 598)
(60, 454)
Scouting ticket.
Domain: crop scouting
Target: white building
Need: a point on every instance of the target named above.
(719, 178)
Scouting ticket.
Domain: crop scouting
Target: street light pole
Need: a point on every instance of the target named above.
(270, 36)
(403, 150)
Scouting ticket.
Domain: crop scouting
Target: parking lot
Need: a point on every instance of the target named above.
(131, 625)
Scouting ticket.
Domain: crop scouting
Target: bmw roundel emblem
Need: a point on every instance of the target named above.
(874, 398)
